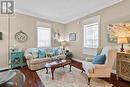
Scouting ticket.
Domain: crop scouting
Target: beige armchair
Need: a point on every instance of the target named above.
(103, 71)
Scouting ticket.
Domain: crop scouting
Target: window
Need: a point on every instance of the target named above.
(44, 37)
(91, 37)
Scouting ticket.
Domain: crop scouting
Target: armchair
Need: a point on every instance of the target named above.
(103, 70)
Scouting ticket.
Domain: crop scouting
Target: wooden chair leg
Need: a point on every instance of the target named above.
(89, 80)
(110, 80)
(82, 70)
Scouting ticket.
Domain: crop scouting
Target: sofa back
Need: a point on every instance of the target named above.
(43, 52)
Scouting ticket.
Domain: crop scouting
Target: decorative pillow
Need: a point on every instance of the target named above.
(99, 59)
(41, 53)
(56, 51)
(34, 52)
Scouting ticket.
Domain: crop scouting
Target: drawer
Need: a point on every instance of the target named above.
(17, 55)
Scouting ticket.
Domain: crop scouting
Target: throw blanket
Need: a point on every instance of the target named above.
(88, 67)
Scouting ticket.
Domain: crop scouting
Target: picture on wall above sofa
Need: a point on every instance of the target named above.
(72, 37)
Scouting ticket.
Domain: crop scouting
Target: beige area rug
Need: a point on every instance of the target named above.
(64, 78)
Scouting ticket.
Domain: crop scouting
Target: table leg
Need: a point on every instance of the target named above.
(70, 68)
(52, 72)
(82, 70)
(46, 70)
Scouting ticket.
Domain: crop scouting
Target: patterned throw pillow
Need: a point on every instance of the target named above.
(41, 53)
(56, 51)
(34, 52)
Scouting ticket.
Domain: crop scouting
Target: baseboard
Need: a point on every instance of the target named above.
(3, 69)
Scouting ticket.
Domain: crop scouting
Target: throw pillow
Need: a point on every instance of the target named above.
(56, 51)
(41, 53)
(34, 52)
(99, 59)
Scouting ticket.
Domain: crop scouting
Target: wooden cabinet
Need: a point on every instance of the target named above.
(17, 59)
(123, 66)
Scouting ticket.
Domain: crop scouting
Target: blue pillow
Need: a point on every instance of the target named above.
(56, 51)
(99, 59)
(41, 53)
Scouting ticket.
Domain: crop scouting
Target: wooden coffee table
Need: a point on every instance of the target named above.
(53, 65)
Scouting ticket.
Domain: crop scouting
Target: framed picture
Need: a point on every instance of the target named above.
(72, 36)
(57, 36)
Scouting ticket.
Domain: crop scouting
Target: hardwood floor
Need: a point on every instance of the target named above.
(32, 79)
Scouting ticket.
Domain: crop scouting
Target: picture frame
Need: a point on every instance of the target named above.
(72, 37)
(113, 33)
(57, 36)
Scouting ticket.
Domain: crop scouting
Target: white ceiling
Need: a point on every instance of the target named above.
(62, 11)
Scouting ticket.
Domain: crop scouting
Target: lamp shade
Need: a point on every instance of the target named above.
(64, 43)
(122, 40)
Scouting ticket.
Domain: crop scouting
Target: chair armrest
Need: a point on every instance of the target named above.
(98, 66)
(28, 56)
(89, 59)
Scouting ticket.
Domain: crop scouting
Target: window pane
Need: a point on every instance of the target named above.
(91, 35)
(44, 37)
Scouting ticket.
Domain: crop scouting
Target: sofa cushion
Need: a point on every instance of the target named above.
(39, 60)
(56, 51)
(34, 52)
(41, 53)
(99, 59)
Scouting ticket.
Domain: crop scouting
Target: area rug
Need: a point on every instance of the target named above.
(64, 78)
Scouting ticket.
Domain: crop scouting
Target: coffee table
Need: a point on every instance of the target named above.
(53, 65)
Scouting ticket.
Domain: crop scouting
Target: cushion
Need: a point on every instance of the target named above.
(56, 51)
(99, 59)
(41, 53)
(34, 52)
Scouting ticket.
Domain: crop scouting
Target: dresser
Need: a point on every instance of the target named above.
(123, 66)
(17, 59)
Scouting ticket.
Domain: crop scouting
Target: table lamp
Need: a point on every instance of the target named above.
(64, 44)
(122, 40)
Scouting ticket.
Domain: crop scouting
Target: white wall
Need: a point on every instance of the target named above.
(118, 12)
(28, 25)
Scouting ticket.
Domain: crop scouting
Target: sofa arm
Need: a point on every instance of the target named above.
(28, 56)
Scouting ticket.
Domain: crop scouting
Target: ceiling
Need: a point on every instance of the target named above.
(63, 11)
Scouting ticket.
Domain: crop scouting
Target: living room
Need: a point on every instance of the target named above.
(78, 31)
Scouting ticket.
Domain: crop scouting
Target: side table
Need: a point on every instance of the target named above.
(17, 59)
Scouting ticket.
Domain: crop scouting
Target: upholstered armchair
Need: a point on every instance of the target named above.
(102, 70)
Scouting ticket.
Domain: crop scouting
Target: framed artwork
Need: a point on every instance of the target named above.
(72, 37)
(118, 30)
(21, 36)
(118, 27)
(57, 36)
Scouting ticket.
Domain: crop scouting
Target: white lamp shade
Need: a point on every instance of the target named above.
(64, 43)
(122, 40)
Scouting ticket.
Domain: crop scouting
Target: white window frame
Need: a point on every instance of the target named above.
(85, 30)
(90, 21)
(43, 35)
